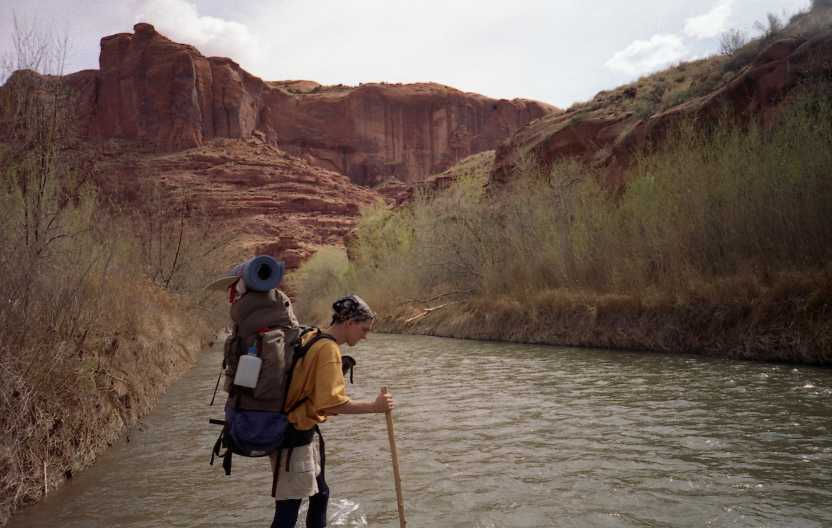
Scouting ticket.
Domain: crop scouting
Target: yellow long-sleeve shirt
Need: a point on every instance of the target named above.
(318, 377)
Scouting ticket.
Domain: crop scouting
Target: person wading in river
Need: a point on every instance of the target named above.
(318, 382)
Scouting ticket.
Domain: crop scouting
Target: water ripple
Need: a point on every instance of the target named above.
(502, 435)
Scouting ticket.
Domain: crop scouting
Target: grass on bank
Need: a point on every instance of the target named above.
(93, 332)
(101, 305)
(728, 217)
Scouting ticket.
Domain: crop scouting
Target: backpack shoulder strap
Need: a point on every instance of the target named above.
(300, 351)
(321, 335)
(303, 348)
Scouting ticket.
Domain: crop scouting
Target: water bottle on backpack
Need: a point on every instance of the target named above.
(248, 368)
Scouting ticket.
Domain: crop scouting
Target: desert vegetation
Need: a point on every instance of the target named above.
(718, 242)
(729, 219)
(101, 303)
(657, 92)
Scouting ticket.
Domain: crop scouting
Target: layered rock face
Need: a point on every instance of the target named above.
(284, 164)
(273, 203)
(167, 94)
(609, 138)
(379, 132)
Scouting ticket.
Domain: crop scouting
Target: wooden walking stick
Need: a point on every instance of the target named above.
(395, 454)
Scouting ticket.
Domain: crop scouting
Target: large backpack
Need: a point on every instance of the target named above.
(266, 321)
(255, 422)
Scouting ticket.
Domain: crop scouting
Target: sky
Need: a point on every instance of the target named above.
(556, 51)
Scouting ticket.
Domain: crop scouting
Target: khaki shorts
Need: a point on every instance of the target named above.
(298, 481)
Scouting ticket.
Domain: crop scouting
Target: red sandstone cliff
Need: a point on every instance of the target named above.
(391, 131)
(168, 95)
(279, 161)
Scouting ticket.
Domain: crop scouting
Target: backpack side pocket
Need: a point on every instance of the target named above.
(272, 383)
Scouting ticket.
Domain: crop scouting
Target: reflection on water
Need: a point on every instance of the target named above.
(501, 435)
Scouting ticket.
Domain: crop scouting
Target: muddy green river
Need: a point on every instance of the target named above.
(499, 435)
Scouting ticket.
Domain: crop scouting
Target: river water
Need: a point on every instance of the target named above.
(500, 435)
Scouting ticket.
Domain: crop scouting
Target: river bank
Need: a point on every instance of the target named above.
(85, 398)
(789, 321)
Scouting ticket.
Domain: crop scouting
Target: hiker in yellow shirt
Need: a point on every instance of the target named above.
(317, 391)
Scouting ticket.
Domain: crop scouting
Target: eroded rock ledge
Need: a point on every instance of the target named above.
(169, 95)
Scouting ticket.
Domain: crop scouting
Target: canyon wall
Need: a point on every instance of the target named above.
(170, 97)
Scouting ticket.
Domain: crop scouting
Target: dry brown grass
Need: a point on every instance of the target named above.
(474, 166)
(787, 320)
(64, 401)
(100, 308)
(660, 91)
(89, 343)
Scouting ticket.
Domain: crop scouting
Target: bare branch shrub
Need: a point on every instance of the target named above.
(83, 318)
(176, 241)
(34, 48)
(731, 41)
(771, 28)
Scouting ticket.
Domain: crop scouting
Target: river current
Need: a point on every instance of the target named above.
(499, 435)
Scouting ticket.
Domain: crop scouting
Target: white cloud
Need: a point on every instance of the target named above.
(712, 23)
(180, 21)
(644, 56)
(492, 47)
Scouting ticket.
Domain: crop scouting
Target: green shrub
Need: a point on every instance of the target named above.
(741, 199)
(680, 96)
(322, 279)
(741, 57)
(644, 108)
